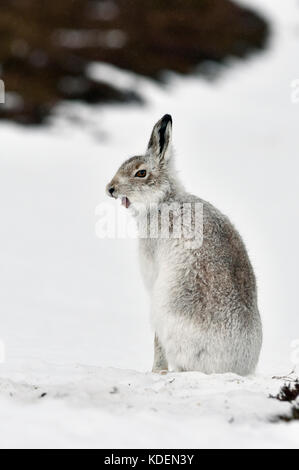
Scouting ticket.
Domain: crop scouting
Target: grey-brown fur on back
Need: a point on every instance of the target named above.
(203, 300)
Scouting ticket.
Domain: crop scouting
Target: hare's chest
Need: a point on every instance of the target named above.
(148, 262)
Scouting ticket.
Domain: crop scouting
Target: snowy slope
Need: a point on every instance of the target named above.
(73, 306)
(84, 406)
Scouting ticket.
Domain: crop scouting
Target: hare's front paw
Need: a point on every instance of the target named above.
(160, 371)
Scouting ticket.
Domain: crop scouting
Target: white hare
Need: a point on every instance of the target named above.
(203, 297)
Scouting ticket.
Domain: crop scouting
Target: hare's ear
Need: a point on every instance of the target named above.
(159, 146)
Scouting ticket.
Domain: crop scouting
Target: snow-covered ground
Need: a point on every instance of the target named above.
(74, 314)
(87, 406)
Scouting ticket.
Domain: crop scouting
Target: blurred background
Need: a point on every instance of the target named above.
(47, 48)
(85, 81)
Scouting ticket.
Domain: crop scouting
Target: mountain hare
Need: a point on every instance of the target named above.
(203, 295)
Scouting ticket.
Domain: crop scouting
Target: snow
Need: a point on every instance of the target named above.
(74, 313)
(87, 406)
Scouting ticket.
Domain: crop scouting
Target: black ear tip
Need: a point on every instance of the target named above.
(166, 119)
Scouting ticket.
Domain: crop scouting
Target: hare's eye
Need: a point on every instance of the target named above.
(140, 174)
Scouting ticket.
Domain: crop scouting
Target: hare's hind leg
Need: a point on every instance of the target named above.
(160, 361)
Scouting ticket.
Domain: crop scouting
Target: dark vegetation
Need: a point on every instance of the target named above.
(289, 393)
(45, 46)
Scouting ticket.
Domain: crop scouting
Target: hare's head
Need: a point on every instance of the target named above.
(146, 178)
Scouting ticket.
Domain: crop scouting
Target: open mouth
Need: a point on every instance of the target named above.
(125, 202)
